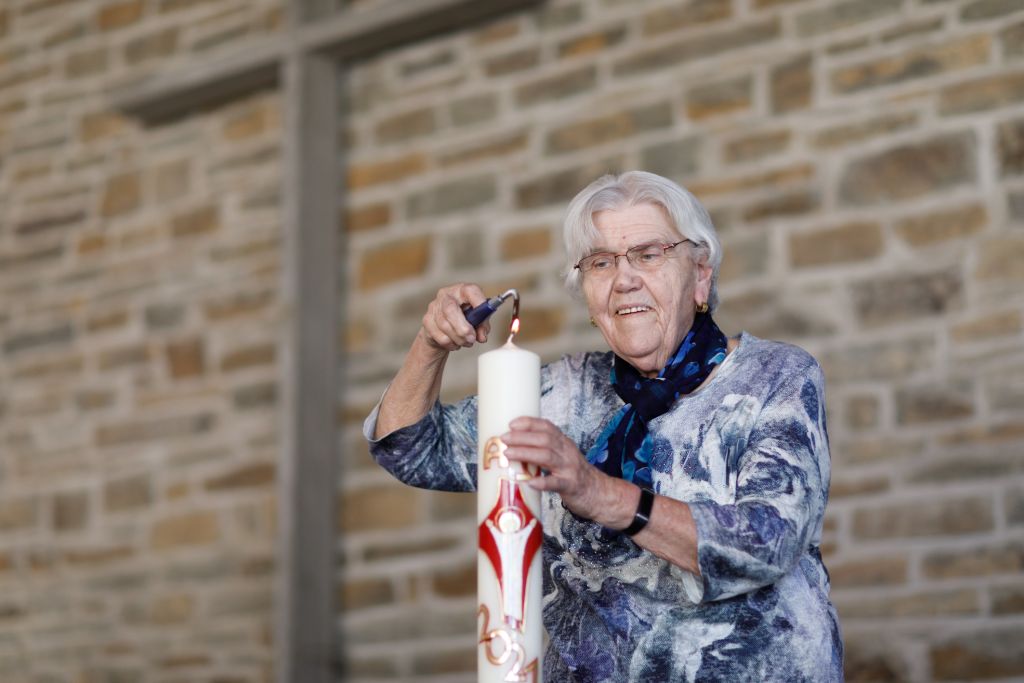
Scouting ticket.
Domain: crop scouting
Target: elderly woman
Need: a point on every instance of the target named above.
(686, 473)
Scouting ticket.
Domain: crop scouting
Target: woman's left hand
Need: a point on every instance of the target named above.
(536, 441)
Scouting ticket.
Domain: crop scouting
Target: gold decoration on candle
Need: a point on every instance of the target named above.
(495, 449)
(520, 671)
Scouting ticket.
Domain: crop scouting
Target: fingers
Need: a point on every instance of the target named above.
(445, 322)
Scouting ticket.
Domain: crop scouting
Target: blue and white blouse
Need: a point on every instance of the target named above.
(748, 453)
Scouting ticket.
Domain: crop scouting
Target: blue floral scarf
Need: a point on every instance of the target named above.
(624, 447)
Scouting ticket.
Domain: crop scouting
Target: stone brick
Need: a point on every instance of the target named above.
(791, 85)
(171, 180)
(1012, 41)
(196, 222)
(979, 10)
(756, 146)
(186, 359)
(843, 244)
(874, 571)
(260, 395)
(841, 15)
(457, 582)
(558, 16)
(117, 15)
(1015, 206)
(497, 31)
(98, 557)
(1001, 259)
(912, 29)
(128, 493)
(944, 225)
(716, 99)
(473, 109)
(952, 603)
(70, 511)
(593, 42)
(981, 94)
(980, 435)
(1014, 505)
(1007, 600)
(392, 262)
(178, 608)
(163, 316)
(377, 508)
(511, 62)
(527, 243)
(559, 86)
(991, 653)
(983, 328)
(464, 249)
(253, 475)
(356, 594)
(86, 63)
(241, 304)
(499, 146)
(915, 63)
(49, 222)
(104, 321)
(125, 433)
(933, 403)
(185, 530)
(251, 122)
(561, 186)
(86, 400)
(1010, 147)
(1007, 558)
(366, 174)
(899, 298)
(785, 204)
(673, 159)
(767, 179)
(873, 663)
(155, 45)
(452, 196)
(685, 15)
(705, 46)
(247, 357)
(406, 126)
(540, 322)
(54, 335)
(909, 171)
(368, 217)
(121, 195)
(441, 662)
(948, 516)
(864, 130)
(101, 125)
(862, 411)
(744, 258)
(857, 488)
(605, 129)
(18, 513)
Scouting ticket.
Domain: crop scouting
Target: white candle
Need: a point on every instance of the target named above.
(509, 586)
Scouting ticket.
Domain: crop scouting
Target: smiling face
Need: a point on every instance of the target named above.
(644, 315)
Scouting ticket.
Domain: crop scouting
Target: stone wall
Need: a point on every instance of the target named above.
(139, 328)
(863, 163)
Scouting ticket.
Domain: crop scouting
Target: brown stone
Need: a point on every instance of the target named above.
(371, 173)
(1007, 558)
(910, 170)
(861, 131)
(196, 222)
(673, 159)
(599, 131)
(390, 263)
(1007, 600)
(452, 196)
(873, 662)
(184, 530)
(1012, 41)
(716, 99)
(992, 653)
(378, 508)
(356, 594)
(18, 513)
(50, 222)
(917, 63)
(685, 15)
(511, 62)
(122, 194)
(98, 557)
(186, 359)
(980, 94)
(856, 488)
(843, 244)
(1002, 324)
(259, 395)
(1001, 259)
(497, 32)
(156, 45)
(457, 582)
(783, 204)
(119, 14)
(120, 434)
(558, 16)
(1014, 506)
(933, 403)
(1010, 147)
(756, 146)
(59, 334)
(497, 147)
(237, 305)
(894, 299)
(556, 87)
(983, 435)
(86, 63)
(744, 258)
(945, 517)
(366, 217)
(704, 46)
(100, 125)
(70, 511)
(129, 493)
(767, 179)
(172, 609)
(406, 126)
(593, 42)
(248, 357)
(561, 186)
(951, 603)
(944, 225)
(540, 322)
(105, 321)
(792, 85)
(862, 411)
(912, 29)
(254, 475)
(979, 10)
(440, 662)
(841, 15)
(464, 249)
(250, 123)
(171, 180)
(526, 243)
(473, 109)
(874, 571)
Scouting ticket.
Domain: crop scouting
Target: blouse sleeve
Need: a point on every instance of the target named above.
(782, 481)
(438, 452)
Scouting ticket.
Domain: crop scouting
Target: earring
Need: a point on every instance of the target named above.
(592, 322)
(702, 307)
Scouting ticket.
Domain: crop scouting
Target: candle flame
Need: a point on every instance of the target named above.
(513, 329)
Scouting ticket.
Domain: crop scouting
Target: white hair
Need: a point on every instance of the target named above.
(611, 192)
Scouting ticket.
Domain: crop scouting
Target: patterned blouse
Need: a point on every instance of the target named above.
(748, 453)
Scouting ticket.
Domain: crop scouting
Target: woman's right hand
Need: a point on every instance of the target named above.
(444, 324)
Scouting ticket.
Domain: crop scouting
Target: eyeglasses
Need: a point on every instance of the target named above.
(642, 257)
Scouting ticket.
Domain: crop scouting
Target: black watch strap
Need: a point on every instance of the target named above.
(642, 514)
